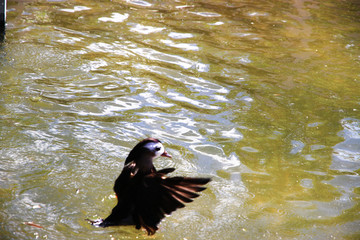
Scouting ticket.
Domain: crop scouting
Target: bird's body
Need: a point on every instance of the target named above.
(146, 195)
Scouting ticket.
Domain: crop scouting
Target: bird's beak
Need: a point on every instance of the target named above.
(165, 154)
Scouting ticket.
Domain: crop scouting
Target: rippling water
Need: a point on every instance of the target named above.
(263, 96)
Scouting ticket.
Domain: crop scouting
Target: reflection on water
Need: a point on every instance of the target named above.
(261, 96)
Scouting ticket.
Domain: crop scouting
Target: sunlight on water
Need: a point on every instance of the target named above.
(261, 96)
(115, 17)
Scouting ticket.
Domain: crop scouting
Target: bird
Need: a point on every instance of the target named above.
(145, 195)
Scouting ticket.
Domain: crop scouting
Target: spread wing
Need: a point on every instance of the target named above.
(159, 195)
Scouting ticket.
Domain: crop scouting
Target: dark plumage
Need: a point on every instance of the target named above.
(144, 194)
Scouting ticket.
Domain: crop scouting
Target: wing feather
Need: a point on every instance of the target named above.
(160, 195)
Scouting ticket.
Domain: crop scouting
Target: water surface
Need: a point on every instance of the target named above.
(262, 96)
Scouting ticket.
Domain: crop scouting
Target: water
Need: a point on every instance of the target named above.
(262, 96)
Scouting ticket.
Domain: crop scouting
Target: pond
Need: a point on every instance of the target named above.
(261, 96)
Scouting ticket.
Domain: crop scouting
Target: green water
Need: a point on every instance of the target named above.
(262, 96)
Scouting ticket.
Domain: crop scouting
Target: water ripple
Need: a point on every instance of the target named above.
(178, 97)
(346, 154)
(115, 17)
(177, 35)
(139, 3)
(75, 9)
(183, 46)
(207, 14)
(185, 63)
(115, 48)
(145, 29)
(260, 95)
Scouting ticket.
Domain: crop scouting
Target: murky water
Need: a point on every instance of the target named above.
(263, 96)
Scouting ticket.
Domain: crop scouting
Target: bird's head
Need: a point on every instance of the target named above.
(149, 148)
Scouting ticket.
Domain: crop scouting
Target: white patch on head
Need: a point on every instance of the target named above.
(156, 147)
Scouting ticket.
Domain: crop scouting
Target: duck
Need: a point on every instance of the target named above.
(146, 195)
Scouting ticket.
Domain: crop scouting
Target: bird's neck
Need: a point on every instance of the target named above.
(145, 165)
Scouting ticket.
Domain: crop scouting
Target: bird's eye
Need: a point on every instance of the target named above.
(157, 149)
